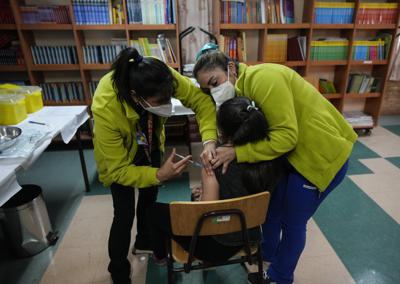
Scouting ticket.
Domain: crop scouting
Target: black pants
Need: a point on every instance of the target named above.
(207, 249)
(120, 233)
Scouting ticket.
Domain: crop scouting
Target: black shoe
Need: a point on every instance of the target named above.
(252, 278)
(116, 279)
(142, 247)
(120, 274)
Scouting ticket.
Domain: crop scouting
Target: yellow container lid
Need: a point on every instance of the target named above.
(10, 97)
(30, 90)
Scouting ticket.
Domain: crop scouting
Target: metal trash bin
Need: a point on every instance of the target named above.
(26, 222)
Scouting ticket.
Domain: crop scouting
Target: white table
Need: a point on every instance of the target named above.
(64, 120)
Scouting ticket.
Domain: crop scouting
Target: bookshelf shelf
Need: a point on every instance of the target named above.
(368, 62)
(12, 68)
(33, 27)
(333, 26)
(376, 27)
(338, 72)
(96, 66)
(242, 26)
(328, 63)
(140, 27)
(113, 27)
(289, 26)
(295, 63)
(362, 96)
(8, 27)
(332, 96)
(70, 103)
(54, 67)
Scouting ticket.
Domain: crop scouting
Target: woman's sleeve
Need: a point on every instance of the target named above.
(272, 93)
(114, 155)
(202, 104)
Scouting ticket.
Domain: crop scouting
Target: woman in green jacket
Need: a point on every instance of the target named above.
(304, 127)
(129, 108)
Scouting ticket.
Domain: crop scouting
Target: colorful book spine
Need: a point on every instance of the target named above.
(54, 54)
(329, 49)
(62, 91)
(377, 13)
(334, 12)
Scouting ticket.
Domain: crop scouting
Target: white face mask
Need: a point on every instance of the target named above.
(223, 92)
(164, 110)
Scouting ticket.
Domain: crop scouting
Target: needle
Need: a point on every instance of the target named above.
(190, 161)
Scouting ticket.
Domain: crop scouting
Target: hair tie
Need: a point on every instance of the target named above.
(138, 59)
(251, 106)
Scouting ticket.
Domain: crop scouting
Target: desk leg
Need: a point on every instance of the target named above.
(82, 158)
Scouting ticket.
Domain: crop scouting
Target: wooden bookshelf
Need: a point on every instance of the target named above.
(340, 69)
(70, 103)
(36, 72)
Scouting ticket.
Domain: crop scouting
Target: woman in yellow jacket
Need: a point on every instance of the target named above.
(304, 127)
(129, 108)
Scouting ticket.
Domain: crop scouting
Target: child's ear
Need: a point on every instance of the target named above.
(232, 68)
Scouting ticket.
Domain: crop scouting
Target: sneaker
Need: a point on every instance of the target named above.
(252, 278)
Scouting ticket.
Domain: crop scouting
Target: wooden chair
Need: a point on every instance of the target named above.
(214, 218)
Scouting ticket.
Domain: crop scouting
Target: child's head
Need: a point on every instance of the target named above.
(240, 121)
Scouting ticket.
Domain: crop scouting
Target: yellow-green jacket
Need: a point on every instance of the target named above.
(115, 125)
(302, 123)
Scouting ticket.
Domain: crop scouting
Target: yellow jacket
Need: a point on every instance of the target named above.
(301, 121)
(115, 123)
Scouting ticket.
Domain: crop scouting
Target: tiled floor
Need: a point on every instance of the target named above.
(354, 237)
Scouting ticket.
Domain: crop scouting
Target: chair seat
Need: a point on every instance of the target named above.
(181, 255)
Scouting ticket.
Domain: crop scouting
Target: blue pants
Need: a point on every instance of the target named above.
(293, 203)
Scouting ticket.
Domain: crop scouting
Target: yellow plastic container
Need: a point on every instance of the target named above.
(33, 95)
(12, 107)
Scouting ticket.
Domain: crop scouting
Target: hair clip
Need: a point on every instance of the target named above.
(252, 106)
(138, 59)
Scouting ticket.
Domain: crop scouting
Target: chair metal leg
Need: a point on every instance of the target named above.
(260, 264)
(170, 262)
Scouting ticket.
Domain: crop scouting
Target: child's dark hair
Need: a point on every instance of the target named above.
(241, 122)
(213, 59)
(147, 76)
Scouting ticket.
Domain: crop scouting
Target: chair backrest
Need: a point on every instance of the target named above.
(313, 80)
(184, 215)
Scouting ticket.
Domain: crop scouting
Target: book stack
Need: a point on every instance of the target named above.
(334, 12)
(161, 48)
(359, 119)
(234, 46)
(280, 11)
(45, 14)
(93, 12)
(326, 86)
(54, 55)
(150, 12)
(369, 50)
(92, 87)
(297, 48)
(377, 13)
(276, 47)
(62, 92)
(243, 12)
(10, 49)
(6, 14)
(329, 49)
(101, 53)
(363, 83)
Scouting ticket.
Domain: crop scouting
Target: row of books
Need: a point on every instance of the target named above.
(161, 48)
(334, 12)
(234, 46)
(6, 14)
(280, 11)
(329, 49)
(363, 83)
(101, 53)
(326, 86)
(92, 87)
(377, 13)
(54, 55)
(369, 50)
(92, 12)
(63, 91)
(243, 12)
(297, 48)
(358, 118)
(10, 49)
(276, 47)
(150, 12)
(45, 14)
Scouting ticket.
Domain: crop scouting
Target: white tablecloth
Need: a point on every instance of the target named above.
(64, 120)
